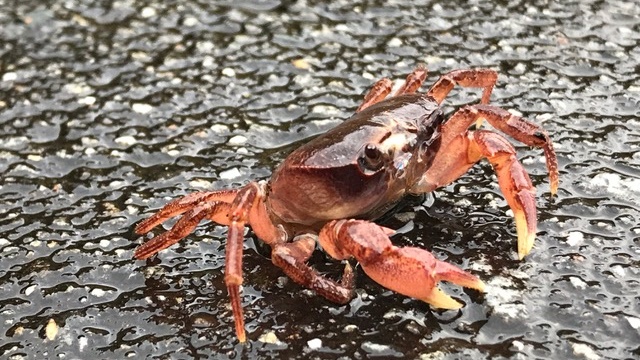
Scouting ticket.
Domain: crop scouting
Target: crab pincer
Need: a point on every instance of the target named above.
(410, 271)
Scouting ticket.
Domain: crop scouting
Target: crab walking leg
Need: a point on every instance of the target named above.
(292, 257)
(518, 128)
(413, 81)
(183, 204)
(216, 211)
(378, 92)
(480, 78)
(239, 216)
(409, 271)
(468, 148)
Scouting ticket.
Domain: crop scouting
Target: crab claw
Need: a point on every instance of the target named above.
(409, 271)
(416, 273)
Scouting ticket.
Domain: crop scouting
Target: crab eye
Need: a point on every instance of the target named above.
(371, 158)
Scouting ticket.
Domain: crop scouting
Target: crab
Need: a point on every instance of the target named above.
(330, 190)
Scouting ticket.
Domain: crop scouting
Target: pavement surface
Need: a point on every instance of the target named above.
(110, 109)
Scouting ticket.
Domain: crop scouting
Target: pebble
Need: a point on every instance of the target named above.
(97, 292)
(618, 271)
(577, 282)
(10, 76)
(585, 350)
(29, 290)
(148, 12)
(350, 328)
(518, 345)
(87, 100)
(230, 174)
(228, 72)
(575, 238)
(269, 338)
(432, 356)
(142, 108)
(237, 140)
(395, 42)
(634, 322)
(126, 140)
(199, 183)
(378, 349)
(301, 64)
(208, 62)
(51, 330)
(82, 343)
(191, 21)
(314, 344)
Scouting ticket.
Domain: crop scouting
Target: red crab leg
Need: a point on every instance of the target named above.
(413, 81)
(183, 204)
(518, 128)
(292, 257)
(482, 78)
(378, 92)
(465, 148)
(216, 211)
(239, 216)
(409, 271)
(383, 87)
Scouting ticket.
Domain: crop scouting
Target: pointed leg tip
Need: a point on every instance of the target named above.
(139, 229)
(242, 337)
(525, 244)
(144, 226)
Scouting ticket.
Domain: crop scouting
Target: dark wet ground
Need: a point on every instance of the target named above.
(110, 109)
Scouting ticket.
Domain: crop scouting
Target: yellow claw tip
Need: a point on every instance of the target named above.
(525, 237)
(438, 299)
(480, 286)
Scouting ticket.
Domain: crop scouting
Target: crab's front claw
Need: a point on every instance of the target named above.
(416, 273)
(409, 271)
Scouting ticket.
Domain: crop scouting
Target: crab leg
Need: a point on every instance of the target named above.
(247, 197)
(467, 148)
(215, 211)
(413, 81)
(291, 258)
(179, 206)
(383, 87)
(378, 92)
(520, 129)
(482, 78)
(409, 271)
